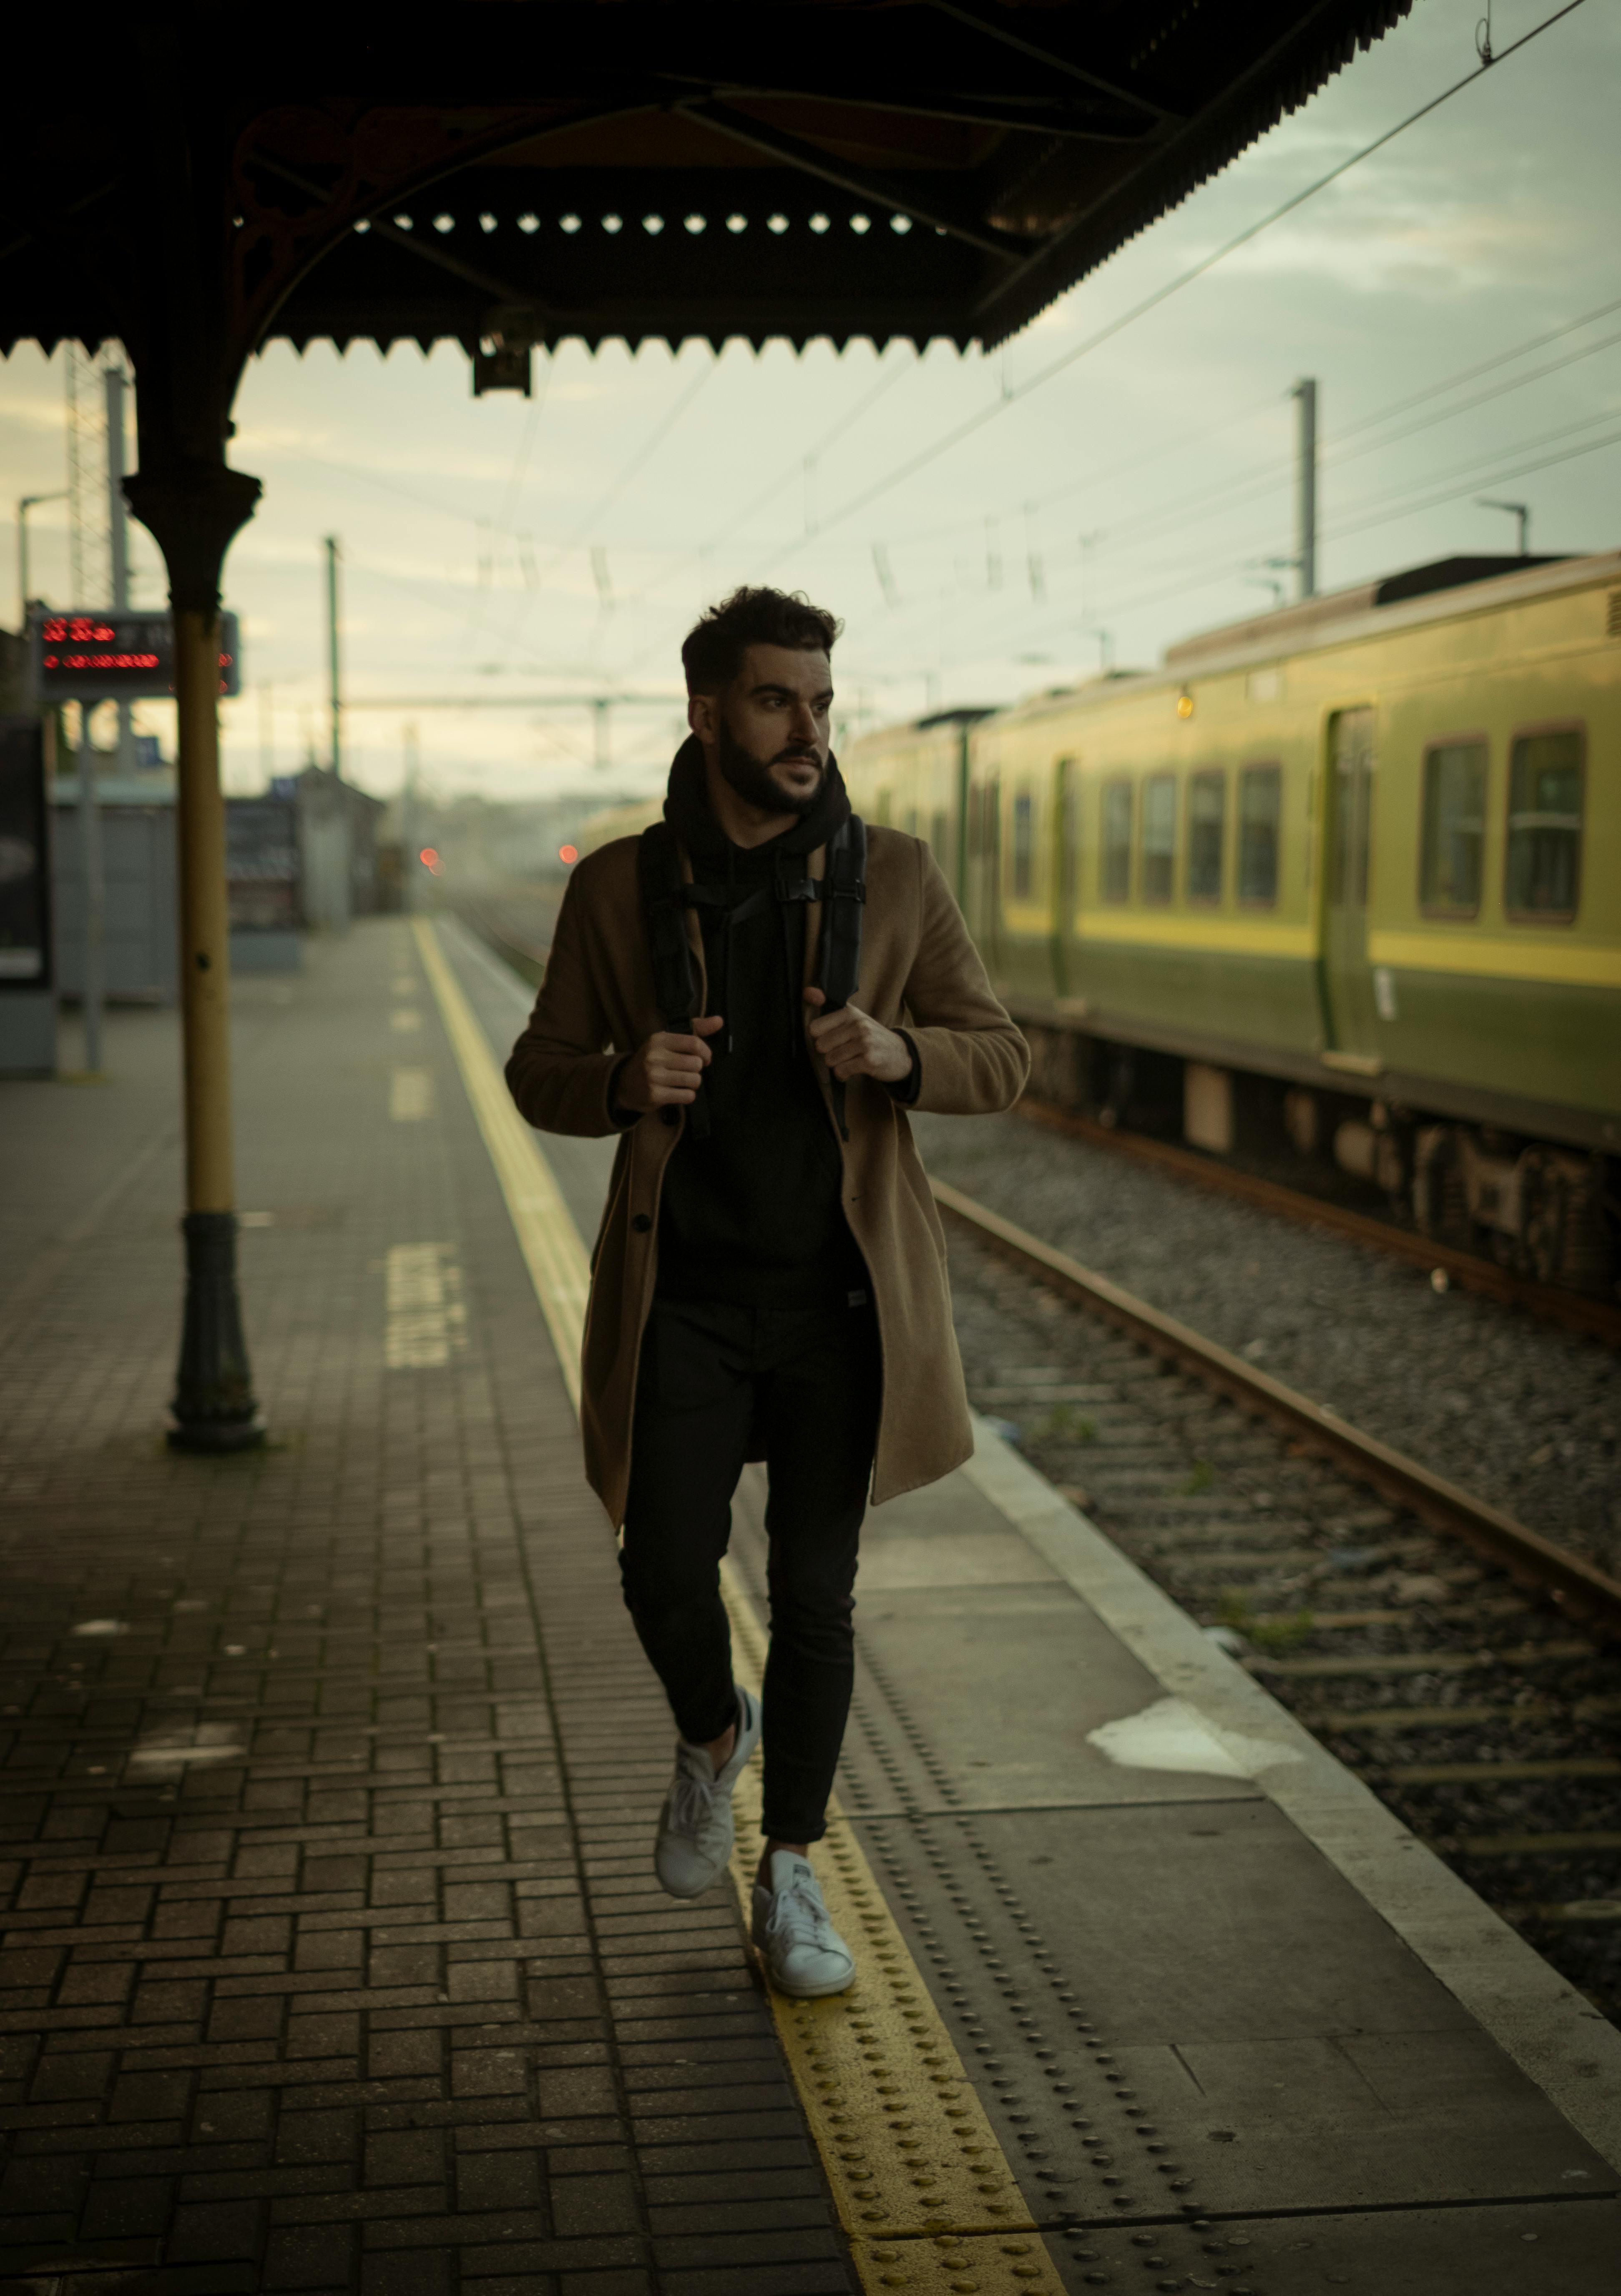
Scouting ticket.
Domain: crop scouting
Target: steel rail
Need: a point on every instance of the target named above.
(1592, 1319)
(1578, 1587)
(516, 954)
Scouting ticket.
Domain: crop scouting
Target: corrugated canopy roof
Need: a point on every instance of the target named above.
(514, 174)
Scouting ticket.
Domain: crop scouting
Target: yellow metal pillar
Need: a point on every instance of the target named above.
(194, 512)
(205, 943)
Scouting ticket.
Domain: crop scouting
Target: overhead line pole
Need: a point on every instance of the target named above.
(1305, 394)
(334, 683)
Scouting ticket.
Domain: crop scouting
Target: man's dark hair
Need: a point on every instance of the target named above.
(712, 653)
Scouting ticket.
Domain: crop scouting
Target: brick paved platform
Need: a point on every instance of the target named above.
(329, 1959)
(328, 1955)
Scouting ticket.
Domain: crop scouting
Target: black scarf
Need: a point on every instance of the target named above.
(730, 882)
(686, 808)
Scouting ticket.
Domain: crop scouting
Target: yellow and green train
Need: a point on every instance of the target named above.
(1349, 871)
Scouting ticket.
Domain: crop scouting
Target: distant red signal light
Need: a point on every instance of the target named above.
(429, 857)
(567, 854)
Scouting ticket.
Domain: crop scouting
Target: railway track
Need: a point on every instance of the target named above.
(521, 947)
(1470, 1271)
(1571, 1311)
(1467, 1667)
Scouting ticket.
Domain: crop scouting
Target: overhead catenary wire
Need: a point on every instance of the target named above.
(1076, 352)
(1215, 569)
(1491, 465)
(1260, 477)
(1481, 468)
(1012, 395)
(1252, 482)
(885, 382)
(649, 447)
(1256, 481)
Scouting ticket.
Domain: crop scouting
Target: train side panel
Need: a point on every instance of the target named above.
(1096, 922)
(1494, 910)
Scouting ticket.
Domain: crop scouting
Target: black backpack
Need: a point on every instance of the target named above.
(666, 899)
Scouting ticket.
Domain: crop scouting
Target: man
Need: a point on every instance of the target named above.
(769, 1278)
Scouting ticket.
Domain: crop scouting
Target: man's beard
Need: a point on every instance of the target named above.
(753, 782)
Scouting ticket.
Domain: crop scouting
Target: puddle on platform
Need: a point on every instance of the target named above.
(168, 1753)
(1172, 1736)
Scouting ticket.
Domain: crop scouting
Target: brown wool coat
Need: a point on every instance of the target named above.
(920, 970)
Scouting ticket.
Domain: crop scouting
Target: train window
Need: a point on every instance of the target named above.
(1207, 835)
(1260, 812)
(1024, 846)
(1159, 836)
(1544, 858)
(1454, 828)
(1117, 884)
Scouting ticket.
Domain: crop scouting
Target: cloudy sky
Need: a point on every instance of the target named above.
(565, 544)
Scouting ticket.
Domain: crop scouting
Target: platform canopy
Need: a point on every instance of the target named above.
(518, 172)
(195, 180)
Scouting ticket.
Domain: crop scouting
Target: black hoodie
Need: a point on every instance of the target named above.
(752, 1214)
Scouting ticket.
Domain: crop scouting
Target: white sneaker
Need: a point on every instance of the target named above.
(695, 1829)
(803, 1952)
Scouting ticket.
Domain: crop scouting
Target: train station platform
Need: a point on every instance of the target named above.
(332, 1958)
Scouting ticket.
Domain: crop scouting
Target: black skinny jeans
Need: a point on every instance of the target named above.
(805, 1381)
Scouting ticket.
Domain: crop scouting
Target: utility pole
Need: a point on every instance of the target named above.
(408, 863)
(117, 540)
(334, 688)
(91, 988)
(1305, 393)
(600, 747)
(24, 598)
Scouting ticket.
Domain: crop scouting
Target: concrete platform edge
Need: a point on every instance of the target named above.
(1557, 2038)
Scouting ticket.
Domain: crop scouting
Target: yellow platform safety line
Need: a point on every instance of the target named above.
(547, 1238)
(924, 2193)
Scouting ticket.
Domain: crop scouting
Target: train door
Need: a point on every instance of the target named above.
(986, 915)
(1066, 874)
(1348, 979)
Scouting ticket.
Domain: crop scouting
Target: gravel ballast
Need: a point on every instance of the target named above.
(1524, 1415)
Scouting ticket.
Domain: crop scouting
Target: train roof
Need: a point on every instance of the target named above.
(1444, 586)
(1433, 591)
(1447, 587)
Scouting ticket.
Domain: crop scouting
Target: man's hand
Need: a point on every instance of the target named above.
(854, 1043)
(667, 1070)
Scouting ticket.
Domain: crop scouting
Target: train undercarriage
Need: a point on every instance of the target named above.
(1547, 1211)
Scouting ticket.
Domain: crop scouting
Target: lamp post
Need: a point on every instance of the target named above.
(1522, 511)
(29, 502)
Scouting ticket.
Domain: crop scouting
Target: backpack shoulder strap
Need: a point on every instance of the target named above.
(664, 899)
(844, 892)
(658, 876)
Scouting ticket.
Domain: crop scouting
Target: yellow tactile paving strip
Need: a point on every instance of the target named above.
(903, 2139)
(922, 2186)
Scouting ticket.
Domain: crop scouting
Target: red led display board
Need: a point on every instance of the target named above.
(119, 657)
